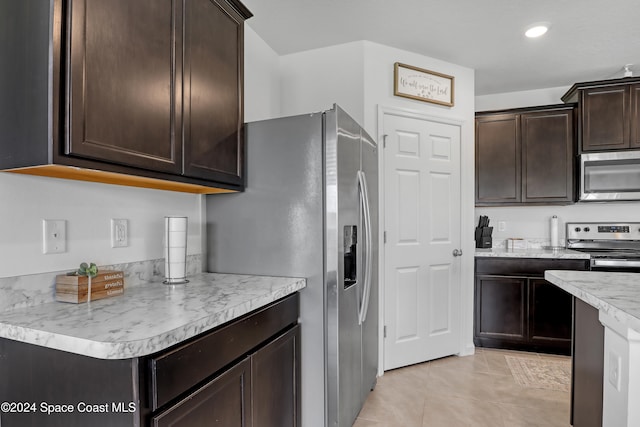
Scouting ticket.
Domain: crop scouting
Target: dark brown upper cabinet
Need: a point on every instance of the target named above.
(635, 117)
(548, 156)
(498, 159)
(145, 93)
(124, 92)
(213, 114)
(525, 156)
(609, 114)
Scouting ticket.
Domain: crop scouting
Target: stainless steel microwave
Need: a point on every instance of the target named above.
(610, 176)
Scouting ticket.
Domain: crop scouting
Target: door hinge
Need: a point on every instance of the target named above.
(384, 141)
(385, 331)
(384, 237)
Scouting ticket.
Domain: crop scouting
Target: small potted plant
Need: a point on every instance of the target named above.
(89, 270)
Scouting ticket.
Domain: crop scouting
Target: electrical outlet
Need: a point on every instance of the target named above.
(54, 236)
(614, 370)
(119, 233)
(502, 226)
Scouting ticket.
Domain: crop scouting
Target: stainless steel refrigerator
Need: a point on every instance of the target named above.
(310, 210)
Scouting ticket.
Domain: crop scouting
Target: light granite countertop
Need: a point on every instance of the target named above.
(616, 294)
(147, 318)
(531, 253)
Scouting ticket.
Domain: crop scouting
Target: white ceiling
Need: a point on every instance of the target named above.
(588, 39)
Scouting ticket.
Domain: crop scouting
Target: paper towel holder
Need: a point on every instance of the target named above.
(554, 240)
(175, 250)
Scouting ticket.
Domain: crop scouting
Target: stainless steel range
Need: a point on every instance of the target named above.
(613, 246)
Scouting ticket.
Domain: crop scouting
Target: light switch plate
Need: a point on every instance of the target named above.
(54, 236)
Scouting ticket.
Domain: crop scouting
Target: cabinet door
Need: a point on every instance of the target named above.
(549, 316)
(124, 88)
(547, 156)
(635, 117)
(500, 308)
(605, 118)
(213, 75)
(223, 402)
(275, 370)
(498, 159)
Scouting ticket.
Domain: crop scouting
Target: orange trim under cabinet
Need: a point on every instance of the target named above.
(92, 175)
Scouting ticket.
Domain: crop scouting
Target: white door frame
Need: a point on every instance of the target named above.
(467, 207)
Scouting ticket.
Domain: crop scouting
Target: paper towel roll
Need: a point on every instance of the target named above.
(555, 242)
(175, 249)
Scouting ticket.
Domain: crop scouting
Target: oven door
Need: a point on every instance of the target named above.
(615, 264)
(610, 176)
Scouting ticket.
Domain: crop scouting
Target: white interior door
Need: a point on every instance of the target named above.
(422, 224)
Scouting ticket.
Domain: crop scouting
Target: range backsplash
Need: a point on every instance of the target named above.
(36, 289)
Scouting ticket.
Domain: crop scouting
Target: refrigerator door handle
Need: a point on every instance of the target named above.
(365, 239)
(366, 213)
(368, 246)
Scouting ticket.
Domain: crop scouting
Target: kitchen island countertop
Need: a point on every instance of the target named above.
(531, 253)
(147, 318)
(615, 294)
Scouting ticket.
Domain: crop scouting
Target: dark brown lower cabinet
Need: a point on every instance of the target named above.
(550, 321)
(261, 390)
(224, 401)
(515, 308)
(53, 387)
(501, 309)
(587, 366)
(275, 375)
(241, 374)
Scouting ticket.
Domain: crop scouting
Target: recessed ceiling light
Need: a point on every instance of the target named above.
(536, 30)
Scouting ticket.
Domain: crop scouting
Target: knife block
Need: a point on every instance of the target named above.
(484, 242)
(483, 237)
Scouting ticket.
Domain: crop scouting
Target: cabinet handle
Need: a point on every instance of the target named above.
(457, 252)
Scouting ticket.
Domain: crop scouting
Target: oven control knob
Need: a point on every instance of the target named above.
(578, 229)
(586, 229)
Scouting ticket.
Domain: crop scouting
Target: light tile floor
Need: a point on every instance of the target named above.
(471, 391)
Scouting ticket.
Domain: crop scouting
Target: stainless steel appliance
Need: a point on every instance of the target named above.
(610, 176)
(613, 246)
(310, 210)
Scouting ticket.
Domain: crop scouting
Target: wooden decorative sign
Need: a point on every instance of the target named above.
(423, 85)
(75, 289)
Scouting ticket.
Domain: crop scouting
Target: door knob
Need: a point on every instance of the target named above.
(457, 252)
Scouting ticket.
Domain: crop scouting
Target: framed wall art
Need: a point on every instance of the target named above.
(423, 85)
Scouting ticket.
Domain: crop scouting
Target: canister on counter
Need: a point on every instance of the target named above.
(515, 243)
